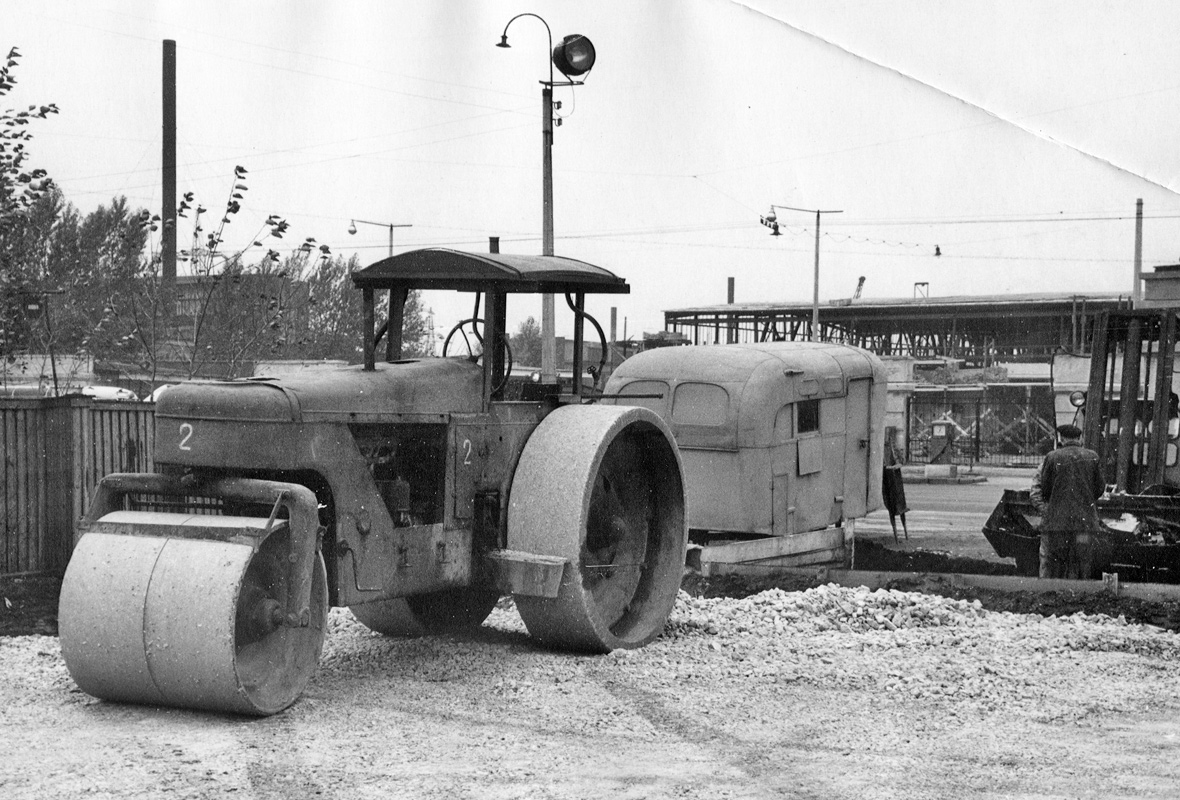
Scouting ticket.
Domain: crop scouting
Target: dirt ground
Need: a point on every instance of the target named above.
(739, 699)
(744, 696)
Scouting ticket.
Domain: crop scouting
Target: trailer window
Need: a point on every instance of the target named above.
(700, 404)
(657, 404)
(808, 413)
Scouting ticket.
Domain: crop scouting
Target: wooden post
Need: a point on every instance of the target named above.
(368, 329)
(397, 319)
(1128, 404)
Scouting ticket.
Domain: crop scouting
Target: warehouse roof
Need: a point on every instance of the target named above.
(937, 306)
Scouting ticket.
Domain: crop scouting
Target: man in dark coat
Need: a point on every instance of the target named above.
(1064, 492)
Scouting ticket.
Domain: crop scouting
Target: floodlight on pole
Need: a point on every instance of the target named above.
(771, 221)
(390, 225)
(573, 56)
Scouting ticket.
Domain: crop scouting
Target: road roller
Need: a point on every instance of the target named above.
(416, 492)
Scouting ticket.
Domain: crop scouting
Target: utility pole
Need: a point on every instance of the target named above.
(815, 284)
(168, 211)
(548, 308)
(770, 221)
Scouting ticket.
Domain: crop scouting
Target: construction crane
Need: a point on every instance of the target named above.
(847, 301)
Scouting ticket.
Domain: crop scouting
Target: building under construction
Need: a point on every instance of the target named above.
(979, 331)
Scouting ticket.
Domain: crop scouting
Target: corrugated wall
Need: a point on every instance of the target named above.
(55, 450)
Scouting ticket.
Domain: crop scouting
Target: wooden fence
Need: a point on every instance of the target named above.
(55, 450)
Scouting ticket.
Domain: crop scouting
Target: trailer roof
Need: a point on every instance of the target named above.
(741, 363)
(443, 268)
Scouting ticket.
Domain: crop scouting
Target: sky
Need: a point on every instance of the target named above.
(1014, 137)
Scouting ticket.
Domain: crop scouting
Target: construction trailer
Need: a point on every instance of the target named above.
(782, 444)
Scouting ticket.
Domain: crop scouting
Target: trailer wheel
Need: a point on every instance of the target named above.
(448, 611)
(602, 487)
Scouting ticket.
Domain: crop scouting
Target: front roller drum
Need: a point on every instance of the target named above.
(186, 622)
(603, 488)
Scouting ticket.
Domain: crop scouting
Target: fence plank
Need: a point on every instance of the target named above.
(5, 471)
(12, 455)
(34, 471)
(84, 444)
(40, 498)
(57, 499)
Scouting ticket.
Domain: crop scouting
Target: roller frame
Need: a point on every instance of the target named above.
(300, 502)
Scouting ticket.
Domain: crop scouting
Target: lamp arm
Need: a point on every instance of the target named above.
(548, 33)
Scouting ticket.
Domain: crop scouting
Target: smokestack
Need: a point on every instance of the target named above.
(731, 334)
(1137, 289)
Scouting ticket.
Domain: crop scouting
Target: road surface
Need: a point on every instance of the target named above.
(946, 517)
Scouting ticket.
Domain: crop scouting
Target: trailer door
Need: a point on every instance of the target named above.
(856, 448)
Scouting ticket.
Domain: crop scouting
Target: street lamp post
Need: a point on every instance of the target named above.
(573, 56)
(771, 221)
(390, 225)
(397, 299)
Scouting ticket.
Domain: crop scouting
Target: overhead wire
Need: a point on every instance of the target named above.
(349, 156)
(700, 176)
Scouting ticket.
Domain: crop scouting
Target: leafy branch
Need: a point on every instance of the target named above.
(19, 188)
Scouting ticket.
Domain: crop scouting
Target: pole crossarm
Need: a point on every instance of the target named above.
(389, 225)
(815, 286)
(808, 210)
(385, 224)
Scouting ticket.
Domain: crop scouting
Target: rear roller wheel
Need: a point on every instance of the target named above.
(602, 487)
(194, 623)
(448, 611)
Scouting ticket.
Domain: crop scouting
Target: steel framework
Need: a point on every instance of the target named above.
(980, 330)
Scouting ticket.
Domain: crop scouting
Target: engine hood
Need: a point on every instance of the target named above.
(427, 386)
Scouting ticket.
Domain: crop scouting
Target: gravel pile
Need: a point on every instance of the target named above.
(857, 610)
(923, 646)
(927, 647)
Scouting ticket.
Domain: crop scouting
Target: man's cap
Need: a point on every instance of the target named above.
(1069, 431)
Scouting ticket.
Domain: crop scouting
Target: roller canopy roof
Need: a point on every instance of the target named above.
(442, 268)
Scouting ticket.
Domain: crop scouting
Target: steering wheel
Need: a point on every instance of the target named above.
(472, 355)
(473, 321)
